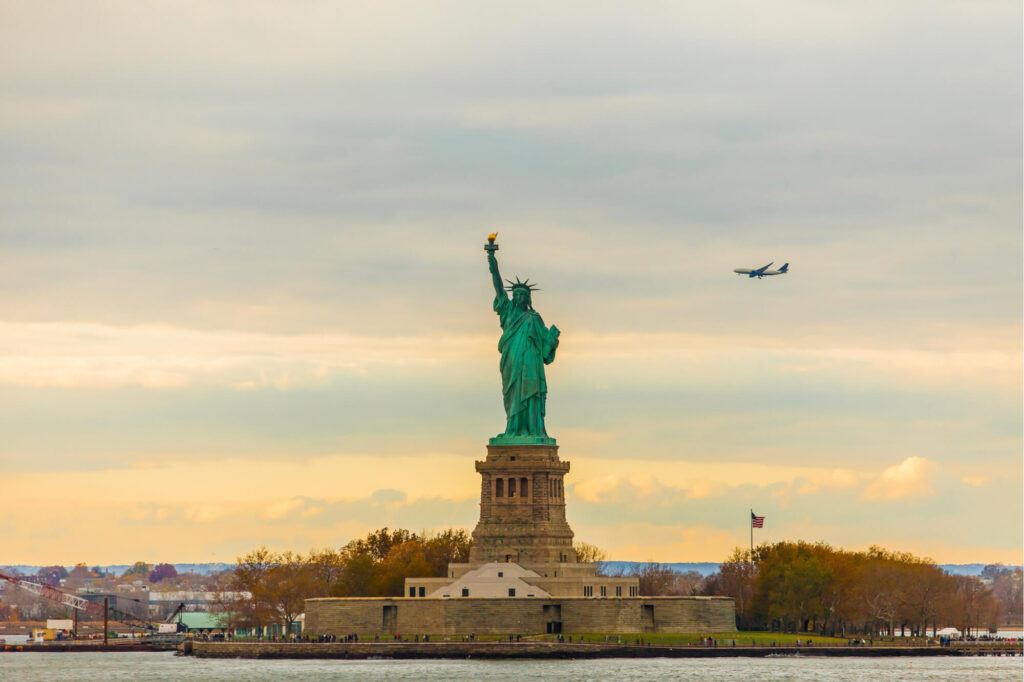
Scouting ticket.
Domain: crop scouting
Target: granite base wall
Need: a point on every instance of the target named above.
(467, 615)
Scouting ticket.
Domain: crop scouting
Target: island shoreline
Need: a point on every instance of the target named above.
(551, 650)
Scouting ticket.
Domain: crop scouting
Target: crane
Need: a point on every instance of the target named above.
(179, 627)
(74, 601)
(170, 618)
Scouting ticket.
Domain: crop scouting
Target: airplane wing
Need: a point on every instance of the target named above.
(760, 271)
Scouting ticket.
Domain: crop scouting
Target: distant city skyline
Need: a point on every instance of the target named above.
(705, 568)
(244, 299)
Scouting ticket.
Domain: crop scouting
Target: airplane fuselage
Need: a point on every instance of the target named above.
(762, 272)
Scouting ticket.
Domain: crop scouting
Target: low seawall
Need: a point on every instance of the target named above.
(551, 650)
(81, 647)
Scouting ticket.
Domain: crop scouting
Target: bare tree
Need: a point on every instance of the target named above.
(285, 588)
(588, 554)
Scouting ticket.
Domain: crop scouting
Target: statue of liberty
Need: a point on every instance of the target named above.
(526, 345)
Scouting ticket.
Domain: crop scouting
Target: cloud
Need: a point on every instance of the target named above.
(204, 513)
(388, 499)
(600, 480)
(593, 489)
(839, 478)
(633, 515)
(910, 478)
(279, 510)
(424, 475)
(67, 355)
(141, 513)
(643, 541)
(159, 357)
(147, 514)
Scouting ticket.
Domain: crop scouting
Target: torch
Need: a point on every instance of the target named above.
(490, 246)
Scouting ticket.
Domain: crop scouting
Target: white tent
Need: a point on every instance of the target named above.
(948, 632)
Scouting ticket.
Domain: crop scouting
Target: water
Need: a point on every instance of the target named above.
(111, 667)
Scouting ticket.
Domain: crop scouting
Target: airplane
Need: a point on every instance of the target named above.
(762, 272)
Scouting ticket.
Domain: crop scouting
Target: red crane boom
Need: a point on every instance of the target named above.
(75, 602)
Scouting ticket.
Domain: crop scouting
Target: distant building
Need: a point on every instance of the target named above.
(207, 623)
(203, 623)
(135, 603)
(514, 581)
(162, 604)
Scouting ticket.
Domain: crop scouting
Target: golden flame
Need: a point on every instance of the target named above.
(492, 237)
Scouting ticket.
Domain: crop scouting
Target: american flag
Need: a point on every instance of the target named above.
(756, 521)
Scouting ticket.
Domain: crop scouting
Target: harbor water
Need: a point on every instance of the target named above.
(112, 667)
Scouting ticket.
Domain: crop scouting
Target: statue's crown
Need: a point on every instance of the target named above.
(520, 285)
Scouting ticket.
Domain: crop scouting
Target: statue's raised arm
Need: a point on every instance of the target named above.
(499, 288)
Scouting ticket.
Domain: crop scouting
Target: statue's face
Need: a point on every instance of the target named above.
(521, 297)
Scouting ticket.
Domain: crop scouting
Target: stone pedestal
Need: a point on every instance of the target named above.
(522, 506)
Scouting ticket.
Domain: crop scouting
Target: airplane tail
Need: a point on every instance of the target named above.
(784, 268)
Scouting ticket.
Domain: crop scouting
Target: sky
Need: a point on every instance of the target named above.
(244, 300)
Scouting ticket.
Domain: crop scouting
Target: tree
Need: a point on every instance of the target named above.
(80, 572)
(993, 571)
(841, 608)
(327, 570)
(924, 588)
(790, 581)
(735, 578)
(285, 587)
(139, 570)
(588, 554)
(232, 608)
(249, 607)
(359, 576)
(973, 604)
(406, 559)
(79, 576)
(655, 579)
(269, 586)
(1006, 589)
(162, 572)
(880, 591)
(447, 547)
(378, 543)
(52, 575)
(800, 585)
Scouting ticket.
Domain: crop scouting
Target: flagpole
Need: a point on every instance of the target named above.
(751, 533)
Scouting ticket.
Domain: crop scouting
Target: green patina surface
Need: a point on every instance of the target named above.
(503, 439)
(526, 345)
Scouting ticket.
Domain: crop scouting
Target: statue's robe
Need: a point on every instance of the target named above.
(526, 345)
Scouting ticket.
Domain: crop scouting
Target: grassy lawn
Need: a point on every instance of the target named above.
(655, 638)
